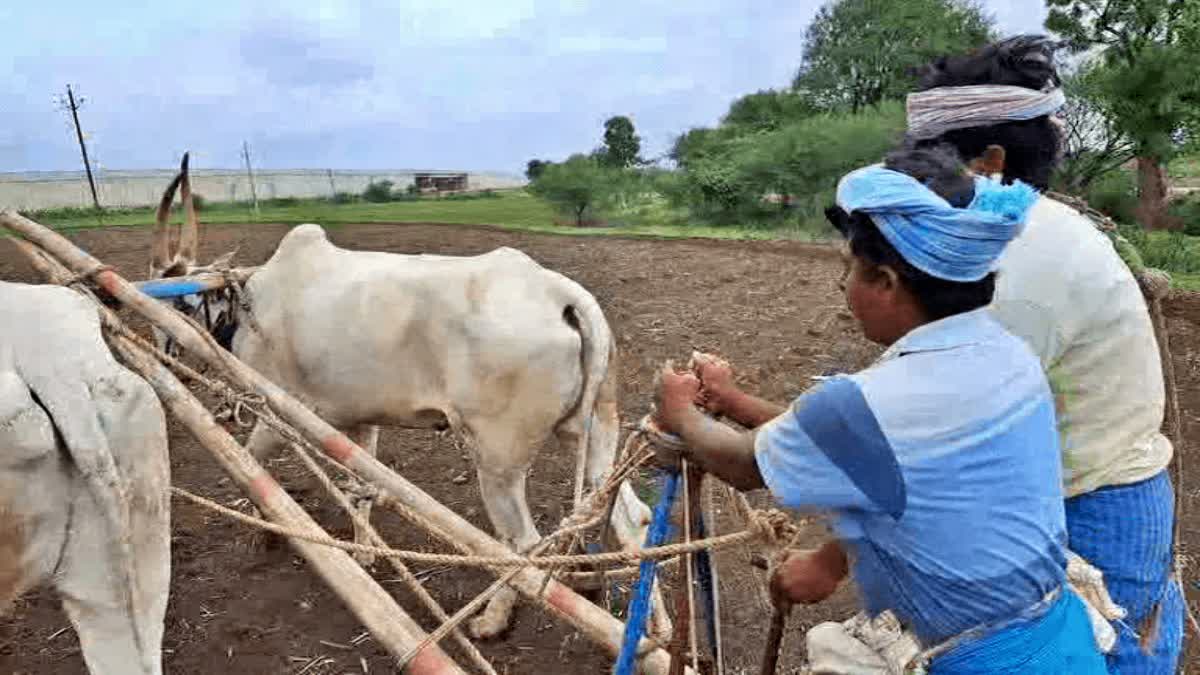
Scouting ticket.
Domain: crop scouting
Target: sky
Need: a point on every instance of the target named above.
(479, 85)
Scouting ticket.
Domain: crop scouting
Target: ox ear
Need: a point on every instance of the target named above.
(189, 235)
(161, 254)
(991, 162)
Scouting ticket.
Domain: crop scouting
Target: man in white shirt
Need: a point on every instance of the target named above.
(1063, 288)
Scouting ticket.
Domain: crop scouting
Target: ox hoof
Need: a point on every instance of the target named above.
(367, 560)
(487, 626)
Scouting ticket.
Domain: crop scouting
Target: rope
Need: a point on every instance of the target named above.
(414, 584)
(761, 528)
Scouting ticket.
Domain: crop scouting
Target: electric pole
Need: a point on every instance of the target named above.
(74, 107)
(250, 174)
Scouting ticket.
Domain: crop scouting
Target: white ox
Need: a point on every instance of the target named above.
(496, 348)
(83, 479)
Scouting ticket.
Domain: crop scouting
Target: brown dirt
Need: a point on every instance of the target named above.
(772, 308)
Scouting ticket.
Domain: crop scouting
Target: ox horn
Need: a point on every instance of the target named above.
(189, 235)
(161, 254)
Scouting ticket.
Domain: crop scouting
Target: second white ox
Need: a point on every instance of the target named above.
(494, 347)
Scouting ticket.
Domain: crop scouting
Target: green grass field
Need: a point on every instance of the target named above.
(517, 210)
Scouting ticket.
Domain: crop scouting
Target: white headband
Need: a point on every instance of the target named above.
(933, 112)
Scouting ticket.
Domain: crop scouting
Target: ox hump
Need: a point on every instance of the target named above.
(300, 239)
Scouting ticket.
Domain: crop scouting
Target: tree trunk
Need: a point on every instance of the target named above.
(1152, 194)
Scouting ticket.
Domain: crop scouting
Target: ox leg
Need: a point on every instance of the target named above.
(35, 492)
(503, 490)
(367, 437)
(119, 633)
(630, 516)
(112, 641)
(263, 444)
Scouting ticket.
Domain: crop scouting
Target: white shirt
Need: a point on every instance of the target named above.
(1062, 287)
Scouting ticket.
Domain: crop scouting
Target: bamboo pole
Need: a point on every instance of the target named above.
(592, 621)
(196, 283)
(365, 598)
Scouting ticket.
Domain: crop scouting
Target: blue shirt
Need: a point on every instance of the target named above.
(941, 465)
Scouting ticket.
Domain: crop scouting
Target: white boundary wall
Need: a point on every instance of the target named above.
(45, 190)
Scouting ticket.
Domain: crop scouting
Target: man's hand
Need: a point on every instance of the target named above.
(674, 397)
(808, 578)
(716, 382)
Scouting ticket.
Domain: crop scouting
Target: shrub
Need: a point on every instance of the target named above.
(1115, 194)
(1187, 209)
(344, 198)
(579, 186)
(379, 191)
(281, 201)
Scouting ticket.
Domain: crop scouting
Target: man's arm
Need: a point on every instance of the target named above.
(749, 410)
(718, 449)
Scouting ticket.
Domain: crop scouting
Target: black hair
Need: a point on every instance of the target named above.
(940, 169)
(1030, 146)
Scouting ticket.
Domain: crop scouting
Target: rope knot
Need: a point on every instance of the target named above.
(237, 404)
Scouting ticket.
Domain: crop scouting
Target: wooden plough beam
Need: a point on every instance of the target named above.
(591, 620)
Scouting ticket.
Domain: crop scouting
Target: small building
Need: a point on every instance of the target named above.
(440, 182)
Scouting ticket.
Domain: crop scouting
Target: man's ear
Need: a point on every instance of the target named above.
(887, 278)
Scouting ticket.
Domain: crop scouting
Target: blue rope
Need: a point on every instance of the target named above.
(639, 607)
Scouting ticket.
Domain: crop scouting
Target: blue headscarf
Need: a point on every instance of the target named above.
(939, 239)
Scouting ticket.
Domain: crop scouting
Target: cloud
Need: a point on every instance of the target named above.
(374, 84)
(611, 43)
(289, 57)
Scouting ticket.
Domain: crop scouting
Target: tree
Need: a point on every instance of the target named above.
(621, 144)
(731, 178)
(698, 142)
(768, 110)
(1149, 85)
(1093, 146)
(577, 185)
(861, 52)
(535, 167)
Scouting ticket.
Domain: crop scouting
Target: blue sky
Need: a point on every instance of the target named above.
(470, 84)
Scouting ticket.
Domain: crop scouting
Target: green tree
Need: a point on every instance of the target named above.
(768, 110)
(578, 186)
(860, 52)
(621, 144)
(732, 180)
(534, 168)
(1149, 86)
(1093, 145)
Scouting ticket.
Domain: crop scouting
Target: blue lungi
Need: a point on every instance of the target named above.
(1126, 532)
(1058, 641)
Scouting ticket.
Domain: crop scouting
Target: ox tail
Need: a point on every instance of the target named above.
(77, 419)
(598, 400)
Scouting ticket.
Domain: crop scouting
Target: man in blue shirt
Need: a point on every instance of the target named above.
(940, 462)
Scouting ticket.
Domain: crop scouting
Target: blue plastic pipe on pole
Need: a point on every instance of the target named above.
(639, 606)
